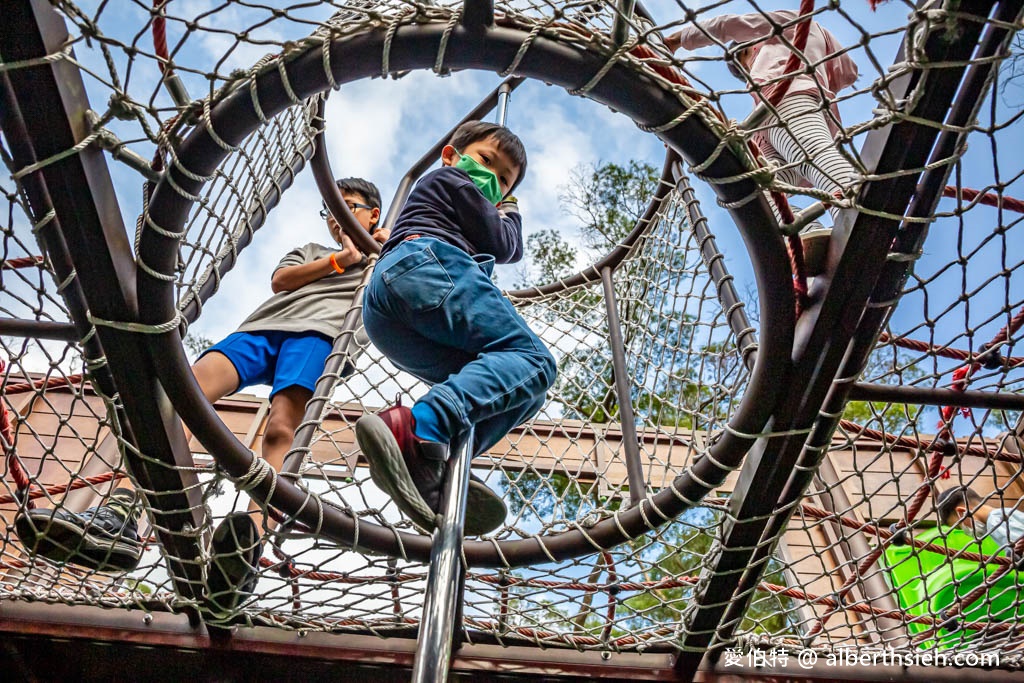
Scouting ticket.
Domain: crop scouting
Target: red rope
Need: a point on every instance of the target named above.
(1010, 362)
(57, 489)
(803, 29)
(962, 376)
(23, 262)
(986, 198)
(773, 95)
(796, 252)
(160, 37)
(50, 383)
(22, 482)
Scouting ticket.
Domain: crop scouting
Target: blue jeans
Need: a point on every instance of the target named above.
(432, 309)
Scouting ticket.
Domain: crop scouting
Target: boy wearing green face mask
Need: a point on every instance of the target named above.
(433, 310)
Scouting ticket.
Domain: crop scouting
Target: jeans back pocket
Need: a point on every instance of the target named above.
(419, 280)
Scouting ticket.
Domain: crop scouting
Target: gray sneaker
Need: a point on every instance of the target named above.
(411, 472)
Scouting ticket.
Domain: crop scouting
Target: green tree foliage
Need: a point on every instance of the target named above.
(674, 382)
(195, 344)
(552, 256)
(679, 550)
(608, 199)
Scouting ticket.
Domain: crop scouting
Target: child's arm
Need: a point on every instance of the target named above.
(289, 278)
(726, 27)
(494, 232)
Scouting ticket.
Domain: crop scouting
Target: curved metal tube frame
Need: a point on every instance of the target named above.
(415, 46)
(325, 182)
(618, 254)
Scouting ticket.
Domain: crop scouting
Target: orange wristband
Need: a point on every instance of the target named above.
(334, 263)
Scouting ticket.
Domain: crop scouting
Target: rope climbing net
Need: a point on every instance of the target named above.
(633, 495)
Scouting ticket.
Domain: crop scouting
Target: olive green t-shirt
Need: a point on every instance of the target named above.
(319, 306)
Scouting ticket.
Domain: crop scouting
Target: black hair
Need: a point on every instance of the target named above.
(365, 188)
(732, 61)
(950, 499)
(508, 142)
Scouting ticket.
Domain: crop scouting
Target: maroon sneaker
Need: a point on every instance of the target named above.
(411, 471)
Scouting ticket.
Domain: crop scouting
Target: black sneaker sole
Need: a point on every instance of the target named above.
(485, 510)
(389, 471)
(232, 575)
(64, 542)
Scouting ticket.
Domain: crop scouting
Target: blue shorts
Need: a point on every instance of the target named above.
(280, 359)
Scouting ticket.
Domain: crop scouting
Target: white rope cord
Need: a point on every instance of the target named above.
(449, 27)
(63, 53)
(60, 156)
(141, 328)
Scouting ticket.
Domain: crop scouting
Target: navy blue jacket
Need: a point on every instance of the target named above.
(445, 204)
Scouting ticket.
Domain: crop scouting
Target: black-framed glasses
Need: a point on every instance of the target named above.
(352, 206)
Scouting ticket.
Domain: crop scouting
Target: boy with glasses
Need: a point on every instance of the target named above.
(283, 343)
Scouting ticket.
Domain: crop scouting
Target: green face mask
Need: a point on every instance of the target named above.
(482, 177)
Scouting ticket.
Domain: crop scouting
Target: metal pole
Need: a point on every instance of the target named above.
(176, 89)
(623, 13)
(891, 632)
(325, 183)
(504, 91)
(866, 391)
(40, 329)
(478, 14)
(630, 442)
(434, 649)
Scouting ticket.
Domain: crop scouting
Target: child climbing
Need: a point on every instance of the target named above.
(798, 137)
(283, 343)
(433, 310)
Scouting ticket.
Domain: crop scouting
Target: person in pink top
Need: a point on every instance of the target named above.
(803, 151)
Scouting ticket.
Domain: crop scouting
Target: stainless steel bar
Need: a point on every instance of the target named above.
(434, 649)
(504, 95)
(176, 89)
(623, 13)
